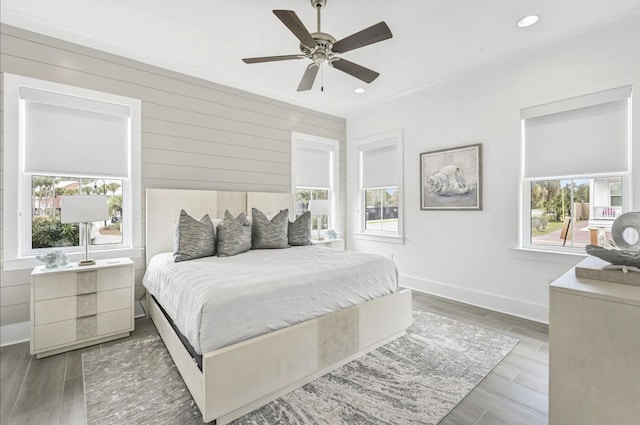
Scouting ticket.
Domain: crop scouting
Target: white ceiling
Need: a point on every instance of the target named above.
(432, 39)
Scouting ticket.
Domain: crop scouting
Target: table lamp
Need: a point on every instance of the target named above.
(319, 208)
(84, 209)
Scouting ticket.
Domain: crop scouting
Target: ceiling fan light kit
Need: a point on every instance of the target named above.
(321, 47)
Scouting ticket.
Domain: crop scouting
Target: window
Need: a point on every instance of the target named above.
(47, 231)
(303, 196)
(563, 211)
(575, 169)
(314, 176)
(380, 171)
(615, 194)
(381, 209)
(63, 140)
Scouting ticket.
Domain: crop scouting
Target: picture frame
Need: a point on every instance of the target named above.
(451, 179)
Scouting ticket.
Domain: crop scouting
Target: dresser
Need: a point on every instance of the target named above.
(77, 306)
(594, 352)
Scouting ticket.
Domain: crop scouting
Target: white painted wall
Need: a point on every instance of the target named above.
(471, 256)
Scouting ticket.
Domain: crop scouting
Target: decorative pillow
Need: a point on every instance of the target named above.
(192, 238)
(234, 235)
(267, 234)
(300, 230)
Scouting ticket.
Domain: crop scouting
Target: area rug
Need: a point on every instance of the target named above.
(416, 379)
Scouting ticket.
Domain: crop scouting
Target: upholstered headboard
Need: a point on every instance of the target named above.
(163, 209)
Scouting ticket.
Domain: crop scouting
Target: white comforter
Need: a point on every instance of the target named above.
(217, 302)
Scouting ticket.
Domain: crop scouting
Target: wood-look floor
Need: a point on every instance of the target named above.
(50, 390)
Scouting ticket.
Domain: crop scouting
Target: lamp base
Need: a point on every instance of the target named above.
(86, 262)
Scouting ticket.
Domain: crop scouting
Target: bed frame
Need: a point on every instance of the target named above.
(245, 376)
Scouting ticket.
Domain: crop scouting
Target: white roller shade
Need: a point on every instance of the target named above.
(313, 167)
(379, 167)
(586, 140)
(62, 139)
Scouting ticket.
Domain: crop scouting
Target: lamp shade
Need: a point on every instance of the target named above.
(319, 207)
(83, 209)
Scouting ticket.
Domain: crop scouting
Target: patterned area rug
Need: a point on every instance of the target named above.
(416, 379)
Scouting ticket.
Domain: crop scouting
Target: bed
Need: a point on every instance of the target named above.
(298, 330)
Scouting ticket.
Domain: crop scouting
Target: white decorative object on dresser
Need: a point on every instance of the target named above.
(329, 243)
(594, 350)
(73, 307)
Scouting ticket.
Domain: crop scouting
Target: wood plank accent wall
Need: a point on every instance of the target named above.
(195, 133)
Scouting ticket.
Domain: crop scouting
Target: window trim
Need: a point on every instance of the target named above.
(15, 218)
(391, 138)
(333, 146)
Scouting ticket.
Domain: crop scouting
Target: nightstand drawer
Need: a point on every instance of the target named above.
(55, 286)
(114, 321)
(116, 299)
(55, 310)
(113, 278)
(87, 282)
(54, 334)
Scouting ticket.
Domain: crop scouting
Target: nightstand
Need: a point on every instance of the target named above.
(329, 243)
(77, 306)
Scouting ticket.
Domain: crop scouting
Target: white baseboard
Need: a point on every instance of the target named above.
(14, 333)
(514, 307)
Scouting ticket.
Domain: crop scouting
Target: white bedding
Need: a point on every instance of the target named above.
(216, 302)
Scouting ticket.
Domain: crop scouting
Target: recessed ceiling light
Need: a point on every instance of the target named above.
(527, 21)
(359, 90)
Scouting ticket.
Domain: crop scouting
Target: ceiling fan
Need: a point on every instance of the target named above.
(321, 47)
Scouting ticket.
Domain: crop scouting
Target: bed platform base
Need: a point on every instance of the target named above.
(238, 379)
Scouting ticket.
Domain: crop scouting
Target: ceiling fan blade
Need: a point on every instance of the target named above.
(373, 34)
(353, 69)
(272, 58)
(295, 25)
(309, 77)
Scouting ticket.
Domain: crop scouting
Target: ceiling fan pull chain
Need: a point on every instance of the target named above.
(321, 77)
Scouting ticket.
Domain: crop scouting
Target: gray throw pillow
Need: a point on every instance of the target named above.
(192, 238)
(267, 234)
(300, 230)
(234, 235)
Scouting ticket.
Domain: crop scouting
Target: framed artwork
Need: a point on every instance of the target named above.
(451, 179)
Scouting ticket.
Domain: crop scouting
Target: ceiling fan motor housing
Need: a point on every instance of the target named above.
(318, 3)
(324, 43)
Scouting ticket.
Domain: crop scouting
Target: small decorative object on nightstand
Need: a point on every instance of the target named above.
(78, 306)
(331, 234)
(54, 259)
